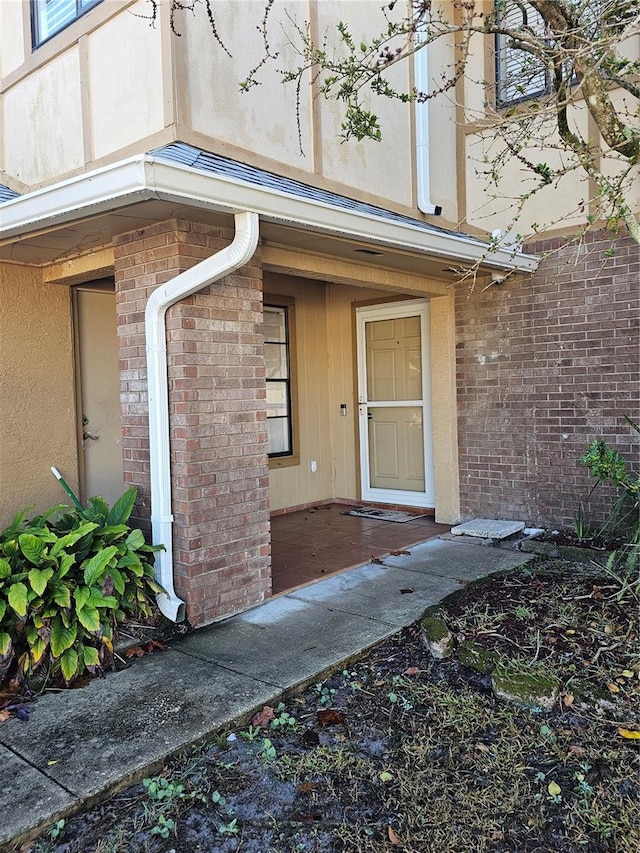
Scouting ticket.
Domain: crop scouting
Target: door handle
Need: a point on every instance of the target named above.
(369, 416)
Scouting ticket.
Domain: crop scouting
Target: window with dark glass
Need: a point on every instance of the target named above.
(277, 358)
(51, 16)
(519, 75)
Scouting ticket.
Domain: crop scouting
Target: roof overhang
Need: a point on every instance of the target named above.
(130, 186)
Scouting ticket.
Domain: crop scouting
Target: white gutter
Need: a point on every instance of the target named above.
(144, 178)
(421, 122)
(236, 255)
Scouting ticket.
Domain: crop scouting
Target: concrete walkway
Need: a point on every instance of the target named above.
(81, 745)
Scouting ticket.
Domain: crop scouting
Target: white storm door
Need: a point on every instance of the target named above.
(99, 391)
(394, 399)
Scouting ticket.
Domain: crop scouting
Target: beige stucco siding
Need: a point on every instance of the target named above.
(125, 87)
(11, 27)
(42, 122)
(37, 411)
(262, 120)
(559, 204)
(295, 485)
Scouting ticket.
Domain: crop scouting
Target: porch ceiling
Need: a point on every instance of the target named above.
(80, 238)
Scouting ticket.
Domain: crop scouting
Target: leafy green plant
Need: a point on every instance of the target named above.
(325, 694)
(608, 466)
(251, 734)
(268, 750)
(67, 579)
(231, 828)
(164, 827)
(283, 720)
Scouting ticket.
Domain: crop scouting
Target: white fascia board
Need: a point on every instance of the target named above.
(105, 189)
(143, 178)
(179, 183)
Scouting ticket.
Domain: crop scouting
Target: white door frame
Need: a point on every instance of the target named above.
(392, 311)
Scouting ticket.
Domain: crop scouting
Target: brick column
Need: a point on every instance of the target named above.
(217, 411)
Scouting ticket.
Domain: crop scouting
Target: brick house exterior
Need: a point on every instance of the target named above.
(106, 200)
(546, 364)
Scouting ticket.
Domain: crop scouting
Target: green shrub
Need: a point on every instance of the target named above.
(67, 579)
(608, 466)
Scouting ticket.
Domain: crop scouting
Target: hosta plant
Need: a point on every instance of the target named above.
(67, 579)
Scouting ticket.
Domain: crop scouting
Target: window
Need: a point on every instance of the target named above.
(51, 16)
(277, 356)
(518, 74)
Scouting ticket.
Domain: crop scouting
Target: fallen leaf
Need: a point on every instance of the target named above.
(551, 640)
(376, 560)
(554, 789)
(482, 747)
(629, 734)
(407, 590)
(568, 700)
(609, 629)
(628, 673)
(262, 719)
(51, 763)
(394, 838)
(4, 715)
(613, 688)
(400, 553)
(576, 750)
(570, 631)
(330, 717)
(134, 652)
(385, 776)
(411, 670)
(305, 787)
(158, 644)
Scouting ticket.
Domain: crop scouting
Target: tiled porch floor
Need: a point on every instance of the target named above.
(314, 543)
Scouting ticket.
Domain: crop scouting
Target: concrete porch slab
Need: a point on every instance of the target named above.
(488, 528)
(107, 732)
(27, 797)
(285, 640)
(378, 589)
(460, 558)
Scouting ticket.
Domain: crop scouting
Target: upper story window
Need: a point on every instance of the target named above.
(519, 75)
(51, 16)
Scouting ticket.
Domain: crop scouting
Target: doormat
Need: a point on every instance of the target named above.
(383, 514)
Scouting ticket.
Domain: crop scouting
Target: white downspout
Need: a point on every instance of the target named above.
(421, 112)
(236, 255)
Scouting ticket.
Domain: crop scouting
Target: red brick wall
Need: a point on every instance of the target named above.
(545, 364)
(220, 477)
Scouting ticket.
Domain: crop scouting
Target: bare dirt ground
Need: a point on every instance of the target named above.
(399, 751)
